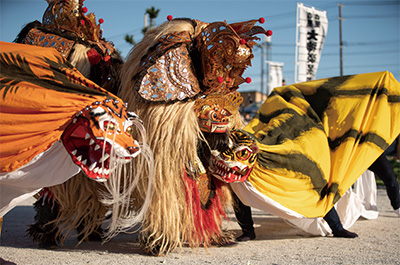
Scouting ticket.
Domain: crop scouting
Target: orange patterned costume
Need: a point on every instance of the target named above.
(52, 115)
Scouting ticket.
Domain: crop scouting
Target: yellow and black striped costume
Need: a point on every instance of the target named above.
(316, 138)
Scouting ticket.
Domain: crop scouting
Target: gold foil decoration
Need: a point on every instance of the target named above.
(170, 78)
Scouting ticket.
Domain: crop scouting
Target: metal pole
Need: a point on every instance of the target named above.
(268, 59)
(296, 60)
(145, 20)
(340, 39)
(262, 68)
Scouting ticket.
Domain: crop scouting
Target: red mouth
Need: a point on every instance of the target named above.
(230, 175)
(86, 151)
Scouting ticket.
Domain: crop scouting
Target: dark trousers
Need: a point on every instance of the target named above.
(384, 170)
(333, 220)
(243, 216)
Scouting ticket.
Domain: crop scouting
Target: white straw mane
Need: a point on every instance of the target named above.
(122, 183)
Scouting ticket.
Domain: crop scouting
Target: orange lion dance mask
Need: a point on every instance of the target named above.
(50, 112)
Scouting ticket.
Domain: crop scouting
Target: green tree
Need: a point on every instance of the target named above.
(130, 39)
(153, 14)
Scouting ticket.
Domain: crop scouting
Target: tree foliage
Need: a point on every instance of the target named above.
(152, 12)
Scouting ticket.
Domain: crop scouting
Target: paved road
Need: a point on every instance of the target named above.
(276, 243)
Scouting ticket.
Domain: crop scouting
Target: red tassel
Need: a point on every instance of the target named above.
(207, 222)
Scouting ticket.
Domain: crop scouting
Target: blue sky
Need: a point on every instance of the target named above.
(370, 31)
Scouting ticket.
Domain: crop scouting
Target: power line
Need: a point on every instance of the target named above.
(372, 16)
(321, 67)
(376, 3)
(370, 43)
(123, 34)
(382, 42)
(347, 54)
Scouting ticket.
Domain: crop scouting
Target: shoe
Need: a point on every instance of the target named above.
(397, 211)
(246, 237)
(344, 233)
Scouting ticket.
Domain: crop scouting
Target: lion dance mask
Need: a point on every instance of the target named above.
(181, 79)
(55, 122)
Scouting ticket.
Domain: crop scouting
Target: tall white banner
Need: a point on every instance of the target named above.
(311, 30)
(275, 75)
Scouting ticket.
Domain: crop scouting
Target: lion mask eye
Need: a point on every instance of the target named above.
(243, 154)
(110, 126)
(129, 130)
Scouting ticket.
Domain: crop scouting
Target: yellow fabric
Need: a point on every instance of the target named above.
(316, 138)
(40, 94)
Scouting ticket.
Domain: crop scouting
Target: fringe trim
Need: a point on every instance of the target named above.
(207, 222)
(80, 207)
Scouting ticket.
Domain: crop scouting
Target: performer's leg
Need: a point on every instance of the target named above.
(384, 170)
(245, 220)
(333, 220)
(41, 231)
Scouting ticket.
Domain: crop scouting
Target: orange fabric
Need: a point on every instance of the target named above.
(40, 94)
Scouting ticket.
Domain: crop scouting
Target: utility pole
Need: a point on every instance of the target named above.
(262, 68)
(268, 47)
(145, 20)
(340, 39)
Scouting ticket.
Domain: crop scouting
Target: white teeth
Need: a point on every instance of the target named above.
(92, 166)
(100, 171)
(95, 170)
(84, 161)
(79, 158)
(101, 179)
(106, 172)
(91, 142)
(87, 136)
(74, 152)
(96, 147)
(104, 158)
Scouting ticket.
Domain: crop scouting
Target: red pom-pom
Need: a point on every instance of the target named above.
(93, 56)
(101, 21)
(82, 22)
(261, 20)
(242, 41)
(248, 80)
(169, 17)
(220, 79)
(269, 33)
(84, 10)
